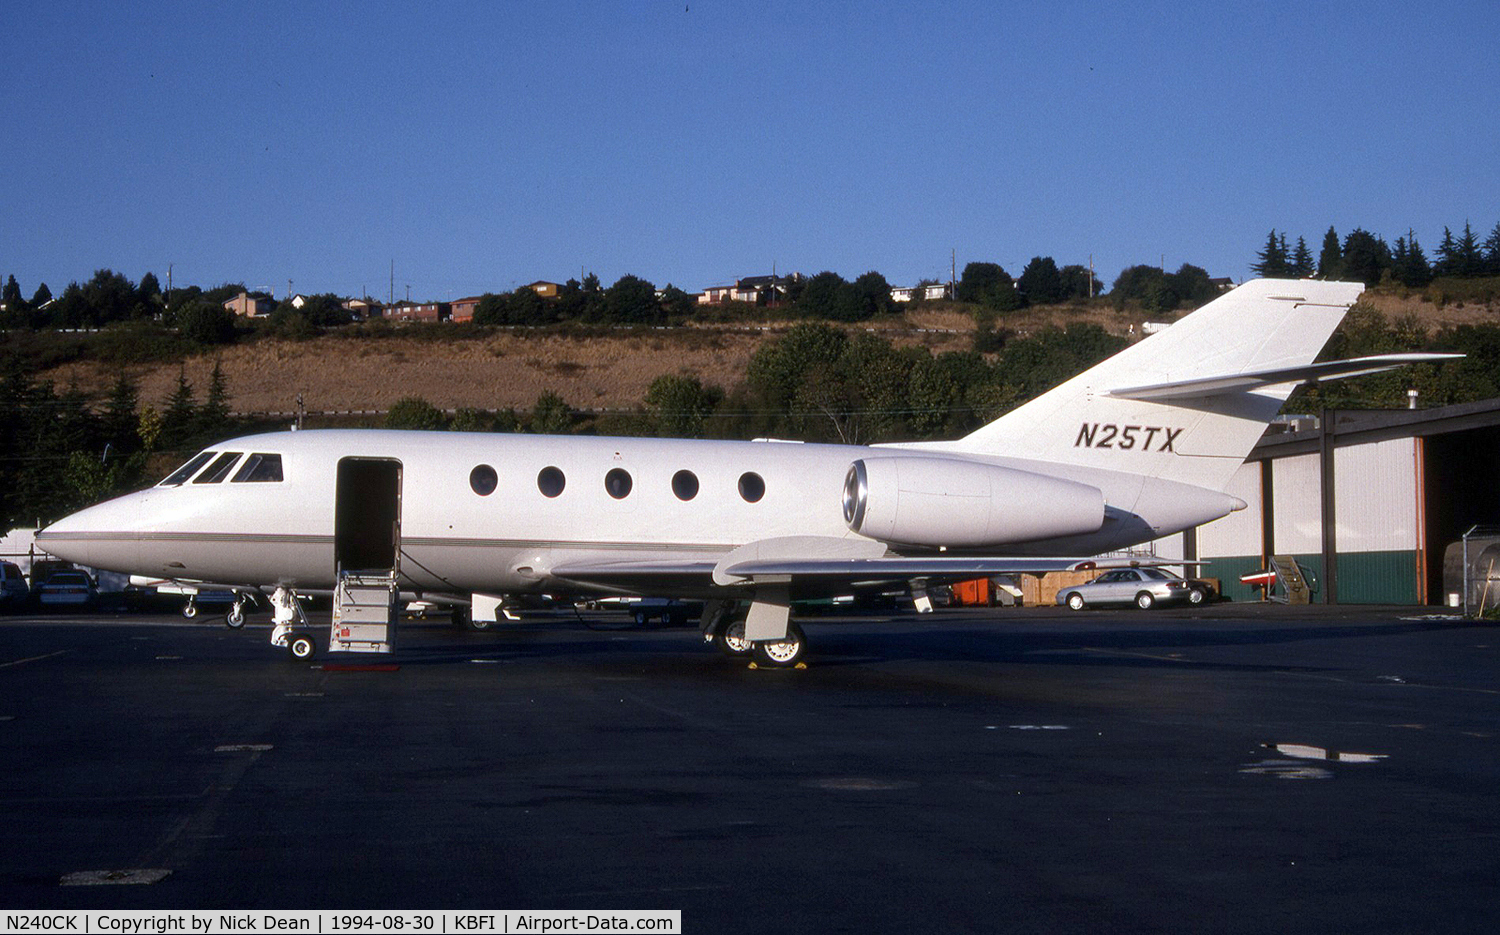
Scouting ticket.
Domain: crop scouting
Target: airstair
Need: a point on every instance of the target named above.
(364, 612)
(1294, 586)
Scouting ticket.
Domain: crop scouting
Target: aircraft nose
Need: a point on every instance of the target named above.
(105, 536)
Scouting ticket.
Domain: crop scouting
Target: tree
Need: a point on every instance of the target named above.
(1492, 252)
(1274, 262)
(214, 415)
(1040, 282)
(1447, 255)
(414, 412)
(777, 369)
(828, 296)
(1191, 286)
(551, 415)
(632, 300)
(679, 304)
(1366, 257)
(872, 296)
(10, 297)
(1079, 282)
(1331, 257)
(179, 421)
(148, 294)
(989, 285)
(1408, 263)
(1302, 266)
(119, 420)
(1146, 285)
(41, 297)
(206, 323)
(680, 405)
(1468, 259)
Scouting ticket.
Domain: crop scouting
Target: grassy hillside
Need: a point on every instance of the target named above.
(364, 369)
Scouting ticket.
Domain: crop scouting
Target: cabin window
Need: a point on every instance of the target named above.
(219, 469)
(550, 481)
(618, 483)
(752, 487)
(685, 485)
(181, 475)
(259, 469)
(483, 480)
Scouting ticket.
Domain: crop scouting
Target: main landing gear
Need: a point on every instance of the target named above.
(724, 626)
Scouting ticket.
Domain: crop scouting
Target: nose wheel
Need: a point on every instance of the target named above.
(301, 646)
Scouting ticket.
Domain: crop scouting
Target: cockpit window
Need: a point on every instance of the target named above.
(181, 475)
(219, 469)
(259, 468)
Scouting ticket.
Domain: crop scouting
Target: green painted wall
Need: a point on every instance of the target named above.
(1364, 577)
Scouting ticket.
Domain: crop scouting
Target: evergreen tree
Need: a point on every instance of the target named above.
(179, 421)
(41, 297)
(1366, 257)
(1302, 261)
(1469, 261)
(10, 297)
(120, 421)
(1273, 258)
(1331, 257)
(1447, 255)
(1492, 252)
(1408, 264)
(214, 416)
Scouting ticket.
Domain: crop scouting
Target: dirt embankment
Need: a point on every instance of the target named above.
(508, 369)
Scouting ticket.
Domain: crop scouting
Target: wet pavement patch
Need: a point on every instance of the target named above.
(115, 877)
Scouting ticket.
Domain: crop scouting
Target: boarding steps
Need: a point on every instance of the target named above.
(1294, 587)
(364, 613)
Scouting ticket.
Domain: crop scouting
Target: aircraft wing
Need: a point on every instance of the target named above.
(1245, 382)
(802, 574)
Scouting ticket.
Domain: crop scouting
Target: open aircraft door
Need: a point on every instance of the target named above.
(366, 554)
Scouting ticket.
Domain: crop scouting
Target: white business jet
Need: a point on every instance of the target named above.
(1138, 447)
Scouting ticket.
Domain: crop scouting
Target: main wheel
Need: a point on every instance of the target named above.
(301, 646)
(781, 654)
(1144, 600)
(731, 639)
(1075, 601)
(236, 616)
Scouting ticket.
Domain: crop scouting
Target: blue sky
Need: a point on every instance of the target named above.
(481, 146)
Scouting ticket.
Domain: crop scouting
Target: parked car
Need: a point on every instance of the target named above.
(1143, 587)
(67, 589)
(13, 589)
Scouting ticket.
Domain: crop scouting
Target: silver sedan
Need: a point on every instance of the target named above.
(1143, 587)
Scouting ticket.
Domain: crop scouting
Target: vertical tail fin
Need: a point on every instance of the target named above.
(1265, 324)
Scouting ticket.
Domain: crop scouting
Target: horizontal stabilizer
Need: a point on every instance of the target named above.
(1226, 384)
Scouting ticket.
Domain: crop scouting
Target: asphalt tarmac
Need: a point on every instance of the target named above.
(1227, 769)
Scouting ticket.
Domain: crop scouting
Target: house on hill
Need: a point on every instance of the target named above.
(418, 311)
(463, 309)
(251, 306)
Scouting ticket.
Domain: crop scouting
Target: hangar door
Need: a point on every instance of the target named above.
(367, 516)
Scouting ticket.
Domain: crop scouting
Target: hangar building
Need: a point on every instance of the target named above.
(1367, 501)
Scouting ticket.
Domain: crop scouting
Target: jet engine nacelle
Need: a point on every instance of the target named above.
(964, 504)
